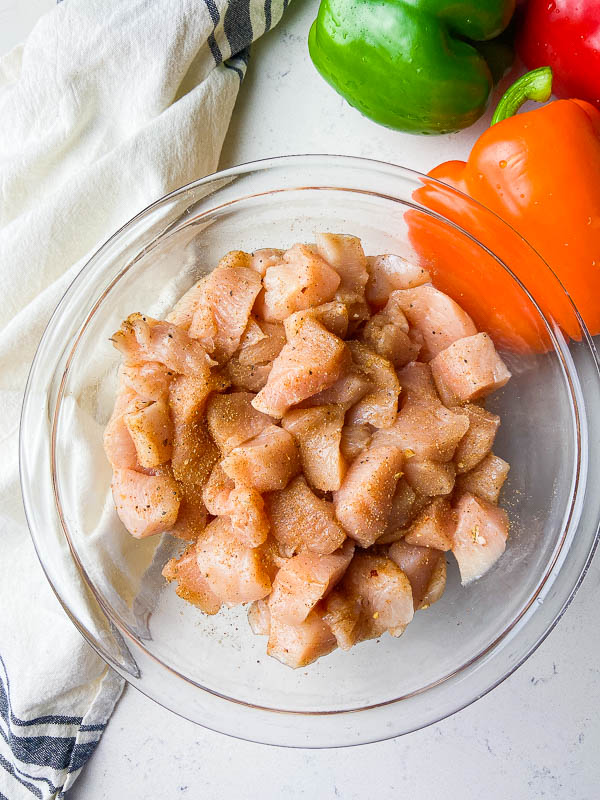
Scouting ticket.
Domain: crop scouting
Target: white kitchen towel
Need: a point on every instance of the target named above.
(107, 106)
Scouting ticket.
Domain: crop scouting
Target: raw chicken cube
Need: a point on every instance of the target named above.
(310, 362)
(486, 479)
(436, 316)
(433, 527)
(262, 342)
(333, 316)
(302, 281)
(350, 387)
(184, 309)
(247, 377)
(192, 586)
(232, 419)
(304, 580)
(468, 369)
(302, 521)
(389, 272)
(479, 438)
(149, 381)
(234, 573)
(146, 504)
(346, 256)
(380, 405)
(262, 259)
(428, 431)
(402, 512)
(300, 645)
(342, 614)
(385, 594)
(363, 503)
(151, 431)
(354, 440)
(217, 490)
(230, 293)
(267, 462)
(480, 536)
(318, 433)
(391, 338)
(191, 519)
(428, 477)
(259, 617)
(242, 504)
(418, 387)
(425, 569)
(142, 338)
(118, 444)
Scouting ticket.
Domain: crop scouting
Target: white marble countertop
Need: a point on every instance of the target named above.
(535, 736)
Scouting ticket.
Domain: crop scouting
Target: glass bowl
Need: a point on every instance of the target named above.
(213, 670)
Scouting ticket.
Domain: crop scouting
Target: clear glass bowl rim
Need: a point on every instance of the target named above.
(283, 162)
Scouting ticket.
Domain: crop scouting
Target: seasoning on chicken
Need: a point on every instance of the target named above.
(318, 433)
(480, 536)
(424, 567)
(485, 479)
(192, 585)
(333, 316)
(233, 420)
(379, 405)
(346, 255)
(151, 431)
(468, 369)
(267, 461)
(301, 521)
(311, 361)
(149, 380)
(433, 527)
(479, 438)
(389, 272)
(146, 504)
(354, 440)
(428, 477)
(300, 645)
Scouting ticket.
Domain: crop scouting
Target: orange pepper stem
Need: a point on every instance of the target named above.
(534, 85)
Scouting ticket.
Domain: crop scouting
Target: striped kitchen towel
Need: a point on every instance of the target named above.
(107, 106)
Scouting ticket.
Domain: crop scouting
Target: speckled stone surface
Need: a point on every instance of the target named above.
(535, 736)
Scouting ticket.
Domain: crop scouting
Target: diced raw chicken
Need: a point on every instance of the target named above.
(424, 567)
(300, 645)
(354, 440)
(142, 338)
(428, 477)
(234, 260)
(118, 444)
(310, 362)
(304, 580)
(364, 501)
(428, 431)
(480, 536)
(247, 377)
(436, 316)
(478, 440)
(191, 583)
(350, 387)
(433, 527)
(217, 490)
(203, 326)
(267, 461)
(232, 419)
(389, 272)
(318, 433)
(151, 431)
(146, 504)
(184, 309)
(387, 334)
(380, 405)
(230, 294)
(468, 369)
(259, 617)
(302, 281)
(384, 592)
(234, 573)
(262, 342)
(342, 614)
(402, 511)
(271, 557)
(346, 255)
(333, 316)
(191, 519)
(418, 387)
(194, 452)
(486, 479)
(261, 260)
(149, 381)
(302, 521)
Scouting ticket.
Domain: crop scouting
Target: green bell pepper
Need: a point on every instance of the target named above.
(409, 64)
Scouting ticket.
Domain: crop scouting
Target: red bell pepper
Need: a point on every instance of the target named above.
(564, 35)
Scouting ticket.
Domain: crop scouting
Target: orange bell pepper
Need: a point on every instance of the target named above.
(540, 172)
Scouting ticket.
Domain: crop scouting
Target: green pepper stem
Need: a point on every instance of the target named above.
(534, 85)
